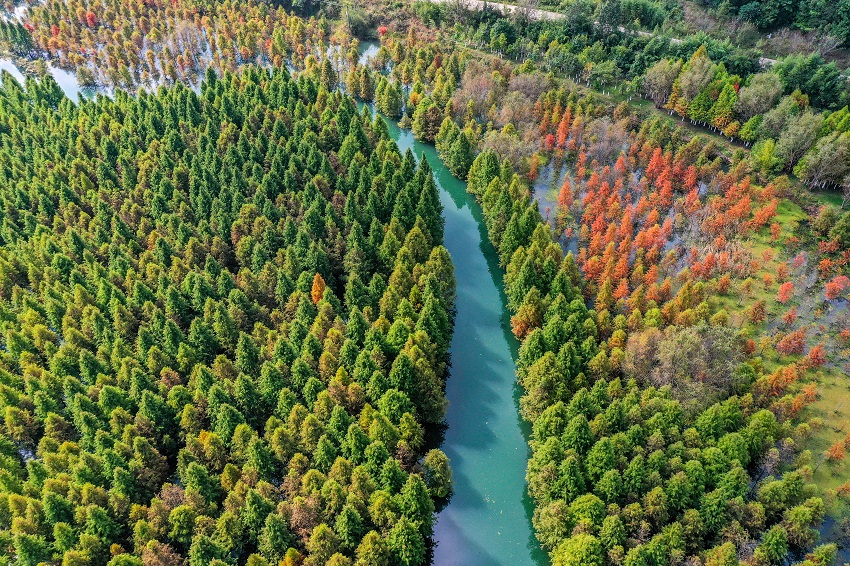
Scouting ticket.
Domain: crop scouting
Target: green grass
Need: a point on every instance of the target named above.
(789, 215)
(831, 411)
(831, 198)
(832, 408)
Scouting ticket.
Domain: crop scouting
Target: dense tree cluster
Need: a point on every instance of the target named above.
(786, 132)
(601, 53)
(657, 435)
(460, 101)
(129, 44)
(592, 45)
(118, 43)
(825, 17)
(225, 320)
(624, 473)
(660, 236)
(824, 21)
(16, 36)
(496, 106)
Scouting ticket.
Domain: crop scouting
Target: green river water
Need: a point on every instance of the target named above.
(487, 520)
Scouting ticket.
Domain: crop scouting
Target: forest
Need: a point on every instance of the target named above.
(227, 310)
(225, 322)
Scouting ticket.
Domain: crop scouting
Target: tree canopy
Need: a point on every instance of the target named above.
(225, 318)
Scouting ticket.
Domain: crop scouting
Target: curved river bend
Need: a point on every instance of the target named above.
(488, 518)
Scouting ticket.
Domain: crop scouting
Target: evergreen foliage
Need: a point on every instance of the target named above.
(225, 319)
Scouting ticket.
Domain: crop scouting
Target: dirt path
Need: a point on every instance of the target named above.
(532, 13)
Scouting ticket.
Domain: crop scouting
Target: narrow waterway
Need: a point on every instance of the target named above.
(488, 518)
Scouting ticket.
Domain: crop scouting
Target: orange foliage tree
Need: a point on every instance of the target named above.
(792, 343)
(836, 452)
(817, 356)
(785, 291)
(835, 287)
(318, 290)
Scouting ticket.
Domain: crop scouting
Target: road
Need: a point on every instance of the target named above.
(532, 13)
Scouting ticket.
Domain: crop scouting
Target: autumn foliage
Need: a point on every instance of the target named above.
(817, 356)
(836, 452)
(785, 292)
(318, 289)
(792, 343)
(834, 288)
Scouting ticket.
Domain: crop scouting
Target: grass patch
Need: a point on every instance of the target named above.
(789, 215)
(829, 198)
(831, 413)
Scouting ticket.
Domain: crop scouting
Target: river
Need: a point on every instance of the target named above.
(487, 520)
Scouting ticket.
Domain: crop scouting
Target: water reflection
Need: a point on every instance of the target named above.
(8, 66)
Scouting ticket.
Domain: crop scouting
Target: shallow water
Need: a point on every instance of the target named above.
(66, 80)
(8, 65)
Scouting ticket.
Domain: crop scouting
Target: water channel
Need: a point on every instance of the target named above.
(488, 518)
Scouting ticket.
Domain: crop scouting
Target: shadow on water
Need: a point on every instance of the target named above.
(838, 532)
(490, 253)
